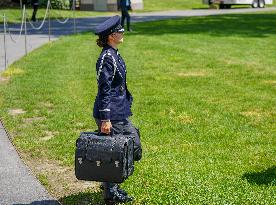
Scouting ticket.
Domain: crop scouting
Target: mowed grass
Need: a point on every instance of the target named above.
(204, 98)
(158, 5)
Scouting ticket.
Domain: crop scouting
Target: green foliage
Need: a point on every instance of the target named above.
(60, 4)
(204, 99)
(43, 3)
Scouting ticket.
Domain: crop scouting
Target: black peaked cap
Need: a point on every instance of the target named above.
(109, 26)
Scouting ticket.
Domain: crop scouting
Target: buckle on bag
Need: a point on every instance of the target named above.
(80, 160)
(98, 163)
(117, 163)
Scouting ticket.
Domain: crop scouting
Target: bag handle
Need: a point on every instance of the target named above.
(111, 134)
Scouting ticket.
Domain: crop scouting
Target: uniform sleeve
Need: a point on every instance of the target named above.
(105, 77)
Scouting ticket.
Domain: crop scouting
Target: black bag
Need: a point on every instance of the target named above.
(137, 153)
(104, 158)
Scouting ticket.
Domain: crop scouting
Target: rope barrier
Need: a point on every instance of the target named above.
(21, 28)
(25, 18)
(62, 22)
(25, 14)
(45, 16)
(66, 19)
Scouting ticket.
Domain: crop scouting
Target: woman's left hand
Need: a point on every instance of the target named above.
(106, 127)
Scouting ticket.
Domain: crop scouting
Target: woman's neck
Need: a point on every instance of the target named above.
(113, 45)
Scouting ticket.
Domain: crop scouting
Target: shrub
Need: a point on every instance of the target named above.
(57, 4)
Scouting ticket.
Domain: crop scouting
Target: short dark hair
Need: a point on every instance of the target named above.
(102, 41)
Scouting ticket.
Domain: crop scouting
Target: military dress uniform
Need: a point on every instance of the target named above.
(125, 7)
(113, 101)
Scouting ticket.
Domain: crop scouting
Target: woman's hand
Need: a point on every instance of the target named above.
(106, 127)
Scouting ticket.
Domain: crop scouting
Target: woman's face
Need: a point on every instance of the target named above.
(117, 37)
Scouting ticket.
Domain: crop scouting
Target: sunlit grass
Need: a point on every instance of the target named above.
(204, 99)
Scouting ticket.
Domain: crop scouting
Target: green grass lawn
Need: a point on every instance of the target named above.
(204, 98)
(157, 5)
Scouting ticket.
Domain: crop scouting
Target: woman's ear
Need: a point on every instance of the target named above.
(110, 38)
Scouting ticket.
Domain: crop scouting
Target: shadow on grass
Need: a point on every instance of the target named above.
(232, 7)
(43, 202)
(246, 25)
(266, 177)
(88, 198)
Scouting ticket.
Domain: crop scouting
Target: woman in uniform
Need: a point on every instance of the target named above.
(112, 107)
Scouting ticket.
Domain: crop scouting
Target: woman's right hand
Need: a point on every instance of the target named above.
(106, 127)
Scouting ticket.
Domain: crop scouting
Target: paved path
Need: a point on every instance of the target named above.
(17, 184)
(37, 38)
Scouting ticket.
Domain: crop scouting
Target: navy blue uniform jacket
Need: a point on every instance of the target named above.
(125, 5)
(113, 101)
